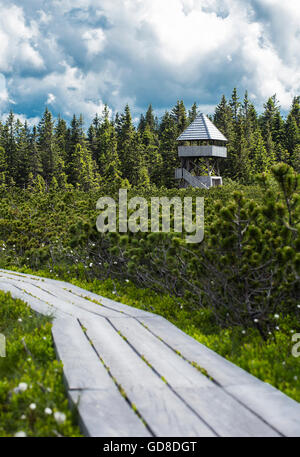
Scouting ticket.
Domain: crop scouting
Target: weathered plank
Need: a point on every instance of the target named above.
(104, 413)
(77, 294)
(221, 370)
(82, 368)
(102, 409)
(112, 304)
(276, 408)
(163, 411)
(36, 304)
(222, 412)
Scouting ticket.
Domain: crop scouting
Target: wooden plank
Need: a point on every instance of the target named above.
(276, 408)
(280, 412)
(36, 304)
(82, 368)
(89, 383)
(222, 412)
(72, 299)
(52, 301)
(106, 414)
(221, 370)
(56, 286)
(170, 365)
(129, 310)
(163, 411)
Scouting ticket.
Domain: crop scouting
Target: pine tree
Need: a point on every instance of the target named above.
(107, 153)
(261, 161)
(22, 154)
(61, 137)
(131, 151)
(10, 145)
(239, 163)
(223, 119)
(3, 169)
(179, 116)
(47, 147)
(295, 110)
(168, 149)
(193, 113)
(292, 136)
(35, 161)
(150, 119)
(152, 156)
(142, 124)
(82, 169)
(267, 119)
(235, 105)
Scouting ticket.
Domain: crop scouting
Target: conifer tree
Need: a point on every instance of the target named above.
(35, 161)
(150, 119)
(60, 137)
(152, 155)
(82, 169)
(3, 169)
(10, 145)
(193, 113)
(292, 136)
(131, 151)
(179, 116)
(261, 161)
(168, 149)
(109, 164)
(48, 149)
(235, 105)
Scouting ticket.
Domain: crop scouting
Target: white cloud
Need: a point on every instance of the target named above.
(3, 91)
(80, 54)
(51, 99)
(31, 121)
(17, 40)
(95, 41)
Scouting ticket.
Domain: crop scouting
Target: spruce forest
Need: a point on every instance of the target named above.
(116, 153)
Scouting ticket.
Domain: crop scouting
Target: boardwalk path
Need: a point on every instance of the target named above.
(131, 372)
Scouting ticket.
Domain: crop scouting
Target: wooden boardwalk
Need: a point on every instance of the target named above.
(133, 373)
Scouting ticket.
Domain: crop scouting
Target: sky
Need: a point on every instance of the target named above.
(74, 56)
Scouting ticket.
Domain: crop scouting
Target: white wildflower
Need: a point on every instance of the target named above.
(32, 406)
(20, 434)
(276, 316)
(59, 417)
(48, 411)
(23, 386)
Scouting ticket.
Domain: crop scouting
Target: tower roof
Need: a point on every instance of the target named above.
(202, 129)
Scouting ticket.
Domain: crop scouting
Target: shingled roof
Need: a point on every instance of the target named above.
(202, 129)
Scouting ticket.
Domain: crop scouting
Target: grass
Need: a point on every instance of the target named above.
(33, 400)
